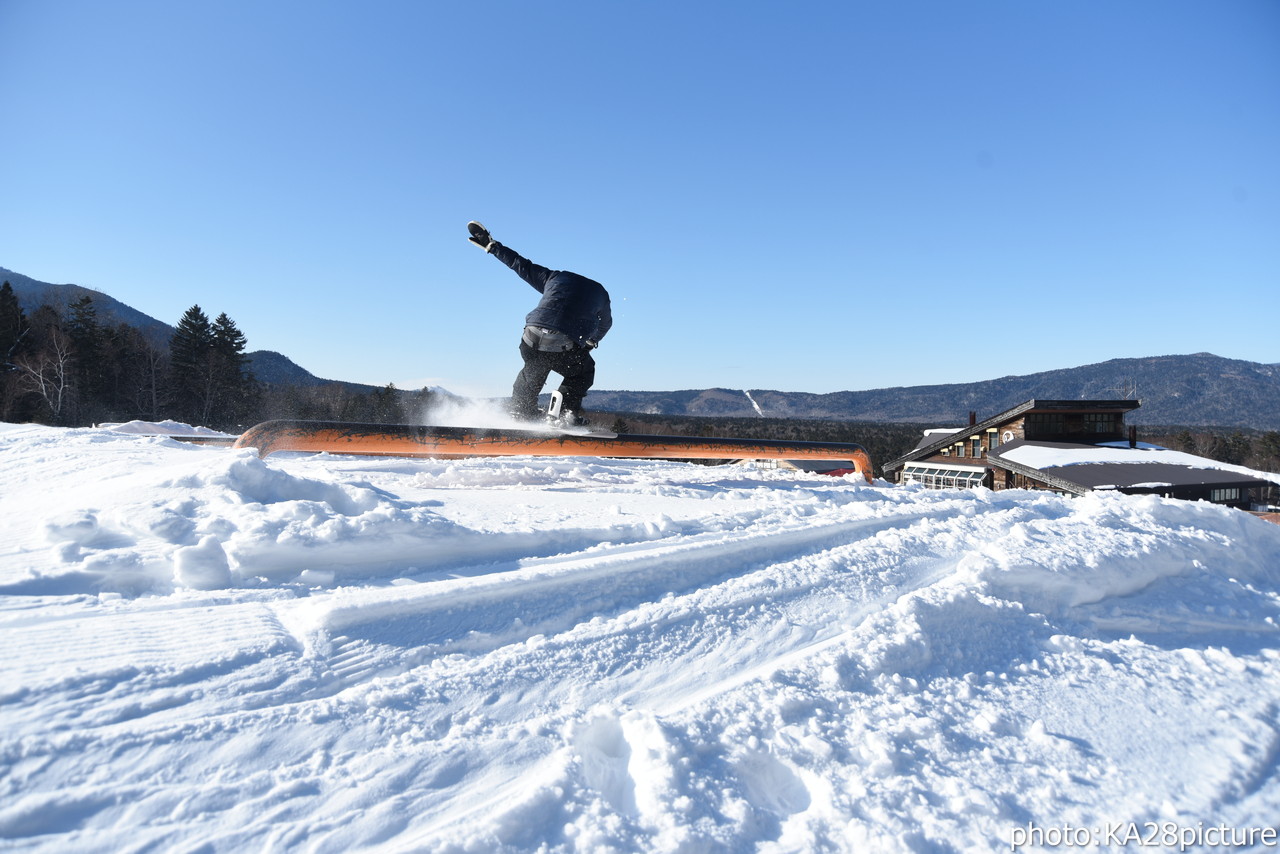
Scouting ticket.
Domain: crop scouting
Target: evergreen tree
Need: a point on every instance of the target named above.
(229, 343)
(14, 331)
(135, 375)
(89, 369)
(1237, 449)
(192, 367)
(13, 324)
(417, 405)
(211, 381)
(237, 389)
(1269, 450)
(386, 406)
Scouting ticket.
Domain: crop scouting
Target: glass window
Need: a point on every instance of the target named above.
(1101, 422)
(1045, 424)
(940, 478)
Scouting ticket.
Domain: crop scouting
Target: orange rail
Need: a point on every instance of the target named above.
(406, 440)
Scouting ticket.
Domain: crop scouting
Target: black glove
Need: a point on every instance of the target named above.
(480, 236)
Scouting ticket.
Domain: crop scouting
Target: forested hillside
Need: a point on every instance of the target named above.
(76, 363)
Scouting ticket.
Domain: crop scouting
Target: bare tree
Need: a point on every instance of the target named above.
(49, 373)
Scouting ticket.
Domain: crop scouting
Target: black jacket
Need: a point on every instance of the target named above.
(572, 304)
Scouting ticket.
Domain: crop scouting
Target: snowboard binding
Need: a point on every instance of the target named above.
(559, 417)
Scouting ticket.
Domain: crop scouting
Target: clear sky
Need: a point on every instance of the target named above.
(807, 197)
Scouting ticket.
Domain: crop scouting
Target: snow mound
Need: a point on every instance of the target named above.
(163, 428)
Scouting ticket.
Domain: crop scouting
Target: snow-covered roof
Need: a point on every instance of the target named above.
(1117, 465)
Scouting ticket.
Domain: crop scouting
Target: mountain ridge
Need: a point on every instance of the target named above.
(1199, 389)
(33, 293)
(267, 365)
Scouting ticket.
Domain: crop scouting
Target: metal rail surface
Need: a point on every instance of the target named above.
(407, 440)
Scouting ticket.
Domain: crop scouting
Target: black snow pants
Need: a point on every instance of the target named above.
(576, 366)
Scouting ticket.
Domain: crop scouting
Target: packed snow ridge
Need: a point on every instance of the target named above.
(203, 650)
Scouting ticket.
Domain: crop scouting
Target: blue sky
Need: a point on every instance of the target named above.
(808, 197)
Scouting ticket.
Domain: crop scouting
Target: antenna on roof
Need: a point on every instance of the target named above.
(1127, 389)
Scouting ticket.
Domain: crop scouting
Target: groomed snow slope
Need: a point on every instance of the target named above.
(201, 650)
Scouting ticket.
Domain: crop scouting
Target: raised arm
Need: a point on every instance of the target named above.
(534, 274)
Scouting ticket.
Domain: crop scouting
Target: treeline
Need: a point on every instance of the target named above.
(346, 402)
(65, 367)
(1255, 449)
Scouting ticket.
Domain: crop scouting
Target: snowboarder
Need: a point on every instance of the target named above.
(559, 334)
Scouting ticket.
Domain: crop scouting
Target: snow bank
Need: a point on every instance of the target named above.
(203, 649)
(163, 428)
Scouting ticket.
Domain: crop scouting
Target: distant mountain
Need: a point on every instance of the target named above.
(272, 367)
(1196, 390)
(111, 312)
(267, 365)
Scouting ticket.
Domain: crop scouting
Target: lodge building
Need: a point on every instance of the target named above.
(1072, 447)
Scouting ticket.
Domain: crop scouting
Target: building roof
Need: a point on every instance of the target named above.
(948, 465)
(1116, 465)
(942, 439)
(935, 434)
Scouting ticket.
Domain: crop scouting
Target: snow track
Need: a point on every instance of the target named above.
(333, 654)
